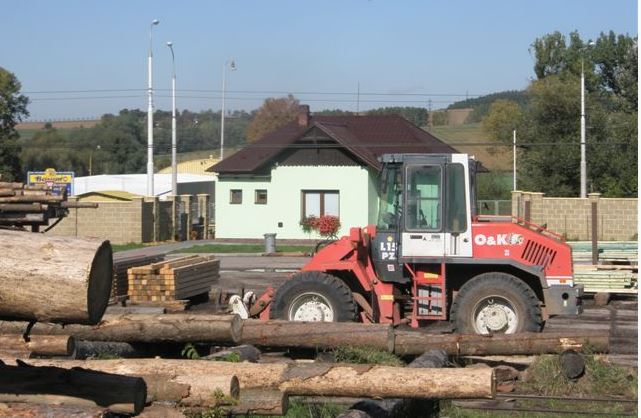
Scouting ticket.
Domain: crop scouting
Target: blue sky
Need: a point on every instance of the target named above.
(412, 51)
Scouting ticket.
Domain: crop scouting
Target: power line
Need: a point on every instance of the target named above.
(327, 146)
(334, 93)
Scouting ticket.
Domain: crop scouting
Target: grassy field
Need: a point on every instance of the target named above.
(494, 158)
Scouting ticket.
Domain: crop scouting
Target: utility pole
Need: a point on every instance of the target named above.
(232, 67)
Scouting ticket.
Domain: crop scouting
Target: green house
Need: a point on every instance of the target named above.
(315, 165)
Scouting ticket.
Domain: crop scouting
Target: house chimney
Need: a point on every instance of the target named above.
(303, 115)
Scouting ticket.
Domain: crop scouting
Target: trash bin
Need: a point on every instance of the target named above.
(270, 243)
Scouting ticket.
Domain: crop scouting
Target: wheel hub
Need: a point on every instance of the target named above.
(495, 315)
(311, 307)
(495, 318)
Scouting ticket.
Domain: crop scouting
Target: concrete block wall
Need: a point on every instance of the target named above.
(119, 222)
(572, 217)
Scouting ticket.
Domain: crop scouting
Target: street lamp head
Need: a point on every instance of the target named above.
(155, 22)
(591, 43)
(169, 44)
(232, 65)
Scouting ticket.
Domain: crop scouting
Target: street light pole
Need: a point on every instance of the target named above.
(150, 115)
(174, 172)
(91, 159)
(583, 162)
(232, 67)
(514, 159)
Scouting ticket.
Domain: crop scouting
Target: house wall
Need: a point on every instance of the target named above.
(249, 220)
(572, 217)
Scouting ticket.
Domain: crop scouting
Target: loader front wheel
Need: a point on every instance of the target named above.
(313, 296)
(496, 303)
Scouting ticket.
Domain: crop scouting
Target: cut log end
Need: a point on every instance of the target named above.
(100, 280)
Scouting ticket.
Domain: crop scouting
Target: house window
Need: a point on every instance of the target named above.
(319, 203)
(235, 196)
(260, 196)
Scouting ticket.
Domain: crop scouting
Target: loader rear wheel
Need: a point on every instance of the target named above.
(496, 303)
(314, 296)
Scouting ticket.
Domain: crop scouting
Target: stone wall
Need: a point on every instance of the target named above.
(572, 217)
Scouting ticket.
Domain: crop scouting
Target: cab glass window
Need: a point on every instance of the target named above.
(423, 198)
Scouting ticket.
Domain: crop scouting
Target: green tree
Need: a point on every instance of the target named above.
(272, 115)
(551, 129)
(13, 108)
(503, 117)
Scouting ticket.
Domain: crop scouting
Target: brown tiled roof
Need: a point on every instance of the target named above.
(367, 137)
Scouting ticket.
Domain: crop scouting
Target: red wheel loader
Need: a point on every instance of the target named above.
(432, 258)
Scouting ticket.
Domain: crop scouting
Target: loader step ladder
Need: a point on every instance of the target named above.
(429, 296)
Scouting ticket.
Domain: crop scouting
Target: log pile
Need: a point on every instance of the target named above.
(178, 279)
(32, 205)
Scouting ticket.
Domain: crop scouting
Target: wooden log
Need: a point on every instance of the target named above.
(413, 342)
(148, 328)
(102, 349)
(120, 394)
(22, 207)
(187, 382)
(419, 408)
(572, 364)
(277, 333)
(54, 279)
(41, 345)
(25, 410)
(261, 402)
(315, 379)
(29, 199)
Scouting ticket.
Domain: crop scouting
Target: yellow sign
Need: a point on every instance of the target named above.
(58, 181)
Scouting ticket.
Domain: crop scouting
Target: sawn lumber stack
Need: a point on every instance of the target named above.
(178, 279)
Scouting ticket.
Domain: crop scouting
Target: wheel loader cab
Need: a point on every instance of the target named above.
(425, 211)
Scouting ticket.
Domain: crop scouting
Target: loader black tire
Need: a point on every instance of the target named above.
(478, 298)
(316, 287)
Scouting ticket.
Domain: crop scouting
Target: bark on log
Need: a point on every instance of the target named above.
(261, 402)
(25, 410)
(41, 345)
(147, 328)
(187, 382)
(277, 333)
(121, 394)
(54, 279)
(87, 349)
(309, 379)
(414, 342)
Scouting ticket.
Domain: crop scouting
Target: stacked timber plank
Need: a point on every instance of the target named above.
(613, 281)
(623, 252)
(122, 263)
(178, 279)
(32, 205)
(617, 271)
